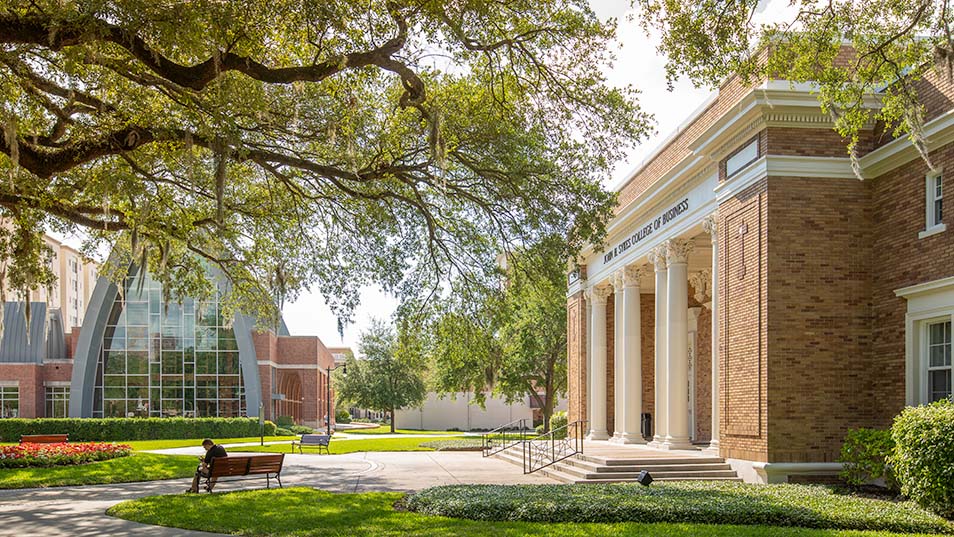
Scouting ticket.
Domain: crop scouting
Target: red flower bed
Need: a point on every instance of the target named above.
(61, 454)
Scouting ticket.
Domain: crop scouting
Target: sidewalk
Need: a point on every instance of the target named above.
(80, 511)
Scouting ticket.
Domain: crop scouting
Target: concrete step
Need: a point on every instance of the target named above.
(590, 469)
(594, 467)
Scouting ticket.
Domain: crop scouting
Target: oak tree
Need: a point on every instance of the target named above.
(289, 143)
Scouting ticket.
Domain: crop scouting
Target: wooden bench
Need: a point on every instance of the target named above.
(312, 440)
(269, 465)
(44, 438)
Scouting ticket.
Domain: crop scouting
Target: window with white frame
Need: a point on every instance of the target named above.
(57, 401)
(939, 370)
(933, 204)
(9, 401)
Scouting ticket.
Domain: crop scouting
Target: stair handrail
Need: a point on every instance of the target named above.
(554, 446)
(502, 438)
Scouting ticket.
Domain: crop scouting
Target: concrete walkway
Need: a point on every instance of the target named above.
(80, 511)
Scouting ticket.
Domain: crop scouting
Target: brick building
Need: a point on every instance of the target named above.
(794, 301)
(137, 356)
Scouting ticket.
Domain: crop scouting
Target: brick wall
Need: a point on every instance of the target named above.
(647, 317)
(577, 389)
(743, 330)
(819, 315)
(902, 259)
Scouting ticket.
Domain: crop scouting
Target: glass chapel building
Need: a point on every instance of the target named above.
(137, 355)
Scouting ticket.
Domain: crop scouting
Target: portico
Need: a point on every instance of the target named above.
(643, 367)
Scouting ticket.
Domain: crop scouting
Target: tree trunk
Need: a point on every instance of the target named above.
(392, 419)
(547, 410)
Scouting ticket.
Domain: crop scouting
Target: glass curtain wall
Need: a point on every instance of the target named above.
(175, 359)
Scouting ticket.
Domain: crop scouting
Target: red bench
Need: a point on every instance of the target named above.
(44, 438)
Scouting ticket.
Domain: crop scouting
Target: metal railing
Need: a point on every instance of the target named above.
(504, 437)
(552, 447)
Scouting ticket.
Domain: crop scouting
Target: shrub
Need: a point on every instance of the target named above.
(59, 454)
(690, 502)
(342, 416)
(865, 454)
(557, 420)
(285, 421)
(539, 429)
(281, 431)
(116, 429)
(924, 455)
(301, 429)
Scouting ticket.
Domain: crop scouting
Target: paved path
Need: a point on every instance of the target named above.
(80, 511)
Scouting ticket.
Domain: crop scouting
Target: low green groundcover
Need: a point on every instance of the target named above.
(698, 502)
(455, 444)
(304, 512)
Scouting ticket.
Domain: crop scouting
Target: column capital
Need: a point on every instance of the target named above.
(599, 293)
(710, 225)
(677, 250)
(657, 256)
(701, 283)
(631, 275)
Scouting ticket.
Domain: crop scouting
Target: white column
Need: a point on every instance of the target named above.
(619, 361)
(677, 349)
(711, 226)
(657, 256)
(632, 358)
(588, 349)
(598, 365)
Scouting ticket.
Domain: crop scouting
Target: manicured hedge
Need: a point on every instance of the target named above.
(116, 429)
(695, 502)
(924, 455)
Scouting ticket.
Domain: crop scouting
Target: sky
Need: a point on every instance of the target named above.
(638, 64)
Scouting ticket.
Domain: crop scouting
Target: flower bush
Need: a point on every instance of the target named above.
(60, 454)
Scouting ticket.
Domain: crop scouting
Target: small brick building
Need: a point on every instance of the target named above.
(756, 298)
(137, 356)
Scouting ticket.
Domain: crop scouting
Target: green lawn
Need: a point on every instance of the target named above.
(145, 445)
(301, 512)
(386, 429)
(136, 467)
(353, 446)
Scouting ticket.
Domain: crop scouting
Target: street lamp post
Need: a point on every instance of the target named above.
(344, 368)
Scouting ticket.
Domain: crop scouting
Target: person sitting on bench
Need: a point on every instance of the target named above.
(212, 450)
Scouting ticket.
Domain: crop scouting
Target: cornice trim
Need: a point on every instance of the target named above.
(937, 133)
(923, 288)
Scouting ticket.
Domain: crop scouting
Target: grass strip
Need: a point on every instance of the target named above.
(304, 512)
(352, 446)
(135, 467)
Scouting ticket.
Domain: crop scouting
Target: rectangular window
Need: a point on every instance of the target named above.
(9, 401)
(742, 158)
(933, 204)
(939, 368)
(57, 401)
(937, 205)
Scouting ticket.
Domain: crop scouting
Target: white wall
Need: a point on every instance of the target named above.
(457, 413)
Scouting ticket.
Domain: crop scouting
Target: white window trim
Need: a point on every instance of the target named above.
(927, 303)
(924, 351)
(931, 228)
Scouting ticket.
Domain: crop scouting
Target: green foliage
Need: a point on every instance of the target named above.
(389, 377)
(342, 415)
(558, 420)
(294, 143)
(285, 421)
(307, 512)
(118, 429)
(282, 431)
(864, 454)
(136, 467)
(507, 336)
(301, 429)
(924, 457)
(697, 502)
(856, 52)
